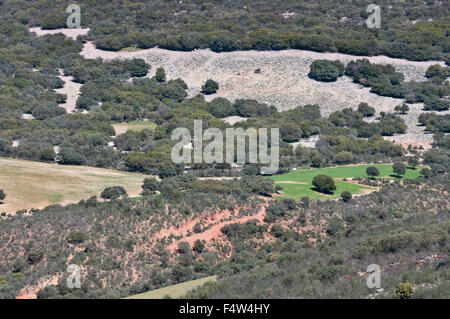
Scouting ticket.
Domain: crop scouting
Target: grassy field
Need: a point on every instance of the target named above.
(121, 128)
(297, 184)
(35, 185)
(175, 291)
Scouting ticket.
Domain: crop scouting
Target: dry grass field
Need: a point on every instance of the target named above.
(175, 291)
(35, 185)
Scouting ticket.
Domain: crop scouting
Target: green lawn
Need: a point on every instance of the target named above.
(175, 291)
(305, 177)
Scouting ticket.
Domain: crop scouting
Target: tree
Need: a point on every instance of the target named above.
(137, 67)
(150, 186)
(199, 246)
(210, 87)
(325, 70)
(413, 161)
(346, 196)
(48, 155)
(324, 183)
(18, 265)
(426, 172)
(402, 109)
(372, 171)
(290, 132)
(160, 75)
(114, 193)
(2, 194)
(344, 157)
(399, 168)
(366, 110)
(404, 290)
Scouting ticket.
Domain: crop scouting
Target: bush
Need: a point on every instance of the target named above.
(346, 196)
(2, 194)
(344, 157)
(324, 183)
(150, 186)
(366, 110)
(290, 132)
(137, 67)
(426, 172)
(114, 193)
(210, 87)
(160, 75)
(404, 290)
(325, 70)
(76, 237)
(402, 109)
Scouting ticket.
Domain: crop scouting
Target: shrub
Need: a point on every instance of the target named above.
(2, 194)
(413, 161)
(290, 132)
(366, 110)
(403, 109)
(346, 196)
(404, 290)
(210, 87)
(114, 193)
(344, 157)
(137, 67)
(426, 172)
(76, 237)
(325, 70)
(150, 186)
(160, 75)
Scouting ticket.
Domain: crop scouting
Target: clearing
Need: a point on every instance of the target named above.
(121, 128)
(175, 291)
(297, 184)
(30, 184)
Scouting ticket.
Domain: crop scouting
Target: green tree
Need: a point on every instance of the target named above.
(413, 161)
(114, 193)
(344, 157)
(404, 290)
(160, 75)
(199, 246)
(324, 183)
(150, 186)
(290, 132)
(402, 109)
(399, 168)
(210, 87)
(346, 196)
(426, 172)
(2, 194)
(372, 171)
(137, 67)
(366, 110)
(325, 70)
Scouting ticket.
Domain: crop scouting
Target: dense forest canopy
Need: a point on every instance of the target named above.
(416, 30)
